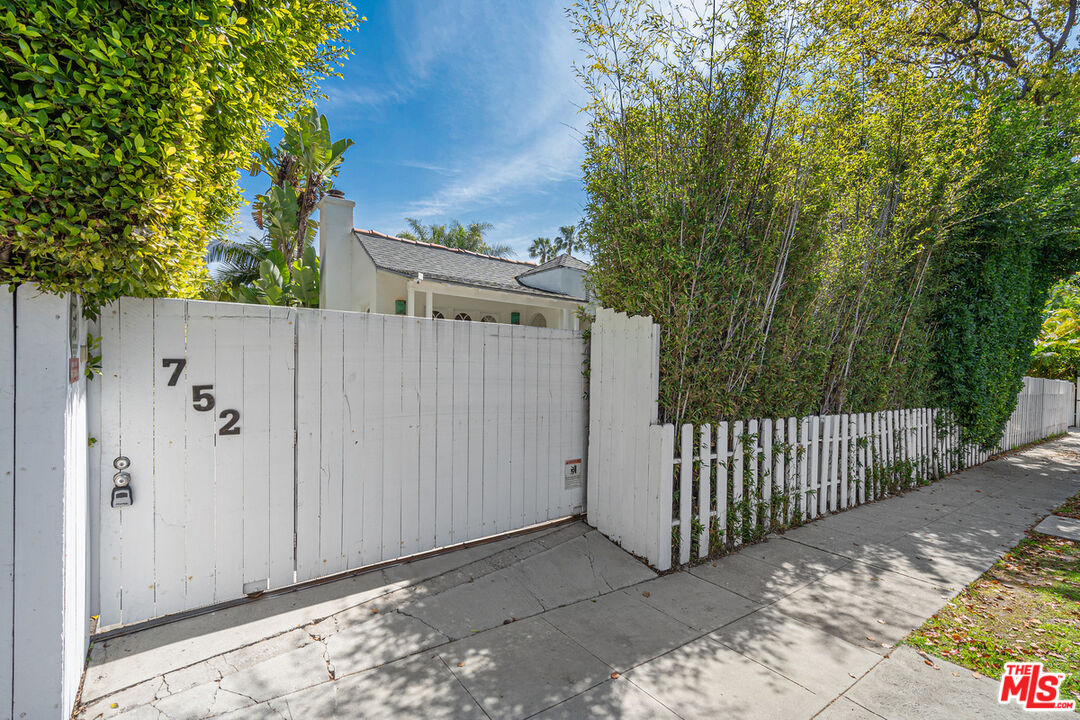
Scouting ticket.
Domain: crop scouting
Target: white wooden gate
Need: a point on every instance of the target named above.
(270, 446)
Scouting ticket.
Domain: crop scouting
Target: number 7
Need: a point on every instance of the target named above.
(180, 364)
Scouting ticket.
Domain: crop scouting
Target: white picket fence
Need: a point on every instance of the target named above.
(270, 446)
(672, 499)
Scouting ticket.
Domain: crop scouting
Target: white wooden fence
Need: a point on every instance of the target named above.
(44, 615)
(270, 446)
(672, 499)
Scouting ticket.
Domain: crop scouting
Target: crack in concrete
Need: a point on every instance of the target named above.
(425, 622)
(592, 564)
(234, 692)
(463, 686)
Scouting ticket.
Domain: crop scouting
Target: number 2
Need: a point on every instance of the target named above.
(230, 428)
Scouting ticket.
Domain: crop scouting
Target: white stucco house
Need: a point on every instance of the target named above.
(368, 271)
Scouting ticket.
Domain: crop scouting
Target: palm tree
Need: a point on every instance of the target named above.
(463, 237)
(564, 243)
(238, 261)
(543, 249)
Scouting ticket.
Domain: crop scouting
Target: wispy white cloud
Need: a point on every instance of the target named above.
(527, 94)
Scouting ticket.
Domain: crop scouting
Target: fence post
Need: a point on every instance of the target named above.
(43, 523)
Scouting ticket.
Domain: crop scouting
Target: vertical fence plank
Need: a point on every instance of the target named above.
(110, 538)
(515, 507)
(170, 508)
(598, 470)
(530, 404)
(738, 453)
(862, 453)
(229, 453)
(409, 478)
(823, 484)
(814, 480)
(766, 473)
(665, 487)
(7, 493)
(137, 370)
(776, 508)
(331, 391)
(751, 489)
(836, 452)
(451, 487)
(573, 358)
(428, 427)
(791, 470)
(650, 547)
(723, 465)
(469, 429)
(353, 429)
(375, 427)
(704, 488)
(503, 390)
(393, 446)
(282, 440)
(200, 489)
(845, 460)
(804, 465)
(686, 492)
(486, 436)
(254, 440)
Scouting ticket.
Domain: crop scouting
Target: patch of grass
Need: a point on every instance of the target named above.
(1071, 508)
(1025, 608)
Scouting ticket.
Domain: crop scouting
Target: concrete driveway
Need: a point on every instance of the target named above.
(562, 624)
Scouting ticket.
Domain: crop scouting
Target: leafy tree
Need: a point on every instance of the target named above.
(122, 126)
(301, 168)
(282, 283)
(543, 248)
(463, 237)
(276, 269)
(832, 206)
(1057, 348)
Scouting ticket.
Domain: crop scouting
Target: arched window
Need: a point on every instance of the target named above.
(488, 318)
(437, 315)
(538, 320)
(463, 316)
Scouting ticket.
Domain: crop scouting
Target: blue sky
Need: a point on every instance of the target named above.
(461, 110)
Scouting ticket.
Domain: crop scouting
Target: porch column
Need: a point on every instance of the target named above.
(410, 303)
(428, 306)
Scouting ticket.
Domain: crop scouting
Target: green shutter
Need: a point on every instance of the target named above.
(399, 307)
(515, 318)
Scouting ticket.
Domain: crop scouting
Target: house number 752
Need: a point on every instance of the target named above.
(202, 399)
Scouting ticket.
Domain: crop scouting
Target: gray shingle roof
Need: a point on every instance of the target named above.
(409, 257)
(564, 260)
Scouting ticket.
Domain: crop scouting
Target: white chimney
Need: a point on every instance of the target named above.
(336, 248)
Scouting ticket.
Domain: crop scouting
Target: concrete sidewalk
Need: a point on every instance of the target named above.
(802, 625)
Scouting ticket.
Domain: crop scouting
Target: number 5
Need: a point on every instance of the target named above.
(202, 400)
